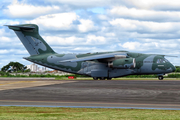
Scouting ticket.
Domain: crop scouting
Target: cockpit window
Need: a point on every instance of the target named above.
(161, 61)
(158, 60)
(166, 60)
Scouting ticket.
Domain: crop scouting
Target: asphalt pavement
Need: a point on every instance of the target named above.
(148, 94)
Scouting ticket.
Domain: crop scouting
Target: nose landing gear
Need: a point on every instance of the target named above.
(160, 77)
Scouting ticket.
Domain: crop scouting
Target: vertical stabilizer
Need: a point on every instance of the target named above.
(29, 36)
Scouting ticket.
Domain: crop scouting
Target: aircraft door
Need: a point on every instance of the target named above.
(85, 67)
(138, 65)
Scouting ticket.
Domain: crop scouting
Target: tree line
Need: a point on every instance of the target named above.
(14, 67)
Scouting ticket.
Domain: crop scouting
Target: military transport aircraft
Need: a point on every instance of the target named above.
(100, 65)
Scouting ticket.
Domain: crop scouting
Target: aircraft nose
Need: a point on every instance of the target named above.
(173, 68)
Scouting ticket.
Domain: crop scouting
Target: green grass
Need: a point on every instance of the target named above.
(40, 113)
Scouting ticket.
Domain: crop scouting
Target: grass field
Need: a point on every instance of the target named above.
(40, 113)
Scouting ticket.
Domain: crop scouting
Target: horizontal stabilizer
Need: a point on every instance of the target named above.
(28, 27)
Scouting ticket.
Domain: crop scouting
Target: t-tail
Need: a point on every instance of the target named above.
(29, 36)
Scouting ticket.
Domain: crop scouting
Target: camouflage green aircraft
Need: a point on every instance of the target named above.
(100, 65)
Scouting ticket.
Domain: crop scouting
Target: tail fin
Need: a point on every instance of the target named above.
(29, 36)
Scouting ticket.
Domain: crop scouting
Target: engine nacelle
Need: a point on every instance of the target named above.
(125, 63)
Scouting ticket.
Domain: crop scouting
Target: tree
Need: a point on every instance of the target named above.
(5, 68)
(27, 70)
(14, 67)
(177, 68)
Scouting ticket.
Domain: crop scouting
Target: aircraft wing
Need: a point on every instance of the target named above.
(165, 55)
(97, 57)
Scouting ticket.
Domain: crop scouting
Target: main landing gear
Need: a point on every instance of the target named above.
(95, 78)
(101, 78)
(160, 77)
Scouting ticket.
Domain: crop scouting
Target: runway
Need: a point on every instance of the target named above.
(138, 94)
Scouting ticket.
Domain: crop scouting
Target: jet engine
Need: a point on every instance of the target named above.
(125, 63)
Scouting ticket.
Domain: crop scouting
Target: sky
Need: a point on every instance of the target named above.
(83, 26)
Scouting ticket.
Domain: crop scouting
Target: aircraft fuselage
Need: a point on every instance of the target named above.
(134, 63)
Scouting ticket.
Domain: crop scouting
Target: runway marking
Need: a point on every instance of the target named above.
(141, 108)
(7, 85)
(121, 103)
(18, 82)
(88, 105)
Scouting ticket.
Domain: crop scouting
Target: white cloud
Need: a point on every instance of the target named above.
(111, 34)
(86, 25)
(5, 39)
(2, 32)
(144, 4)
(130, 45)
(13, 51)
(71, 41)
(155, 47)
(8, 22)
(92, 39)
(133, 25)
(102, 17)
(127, 24)
(55, 21)
(84, 48)
(23, 10)
(3, 51)
(143, 14)
(149, 4)
(83, 3)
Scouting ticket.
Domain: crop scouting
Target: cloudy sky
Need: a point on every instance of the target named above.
(81, 26)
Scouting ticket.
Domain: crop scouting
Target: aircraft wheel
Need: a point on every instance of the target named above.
(160, 77)
(95, 78)
(102, 78)
(109, 78)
